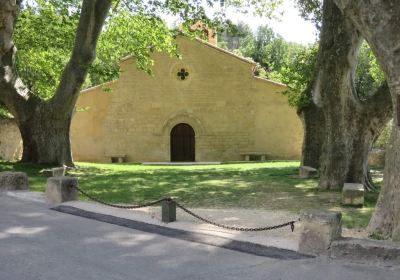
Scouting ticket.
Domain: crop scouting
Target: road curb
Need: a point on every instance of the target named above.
(222, 242)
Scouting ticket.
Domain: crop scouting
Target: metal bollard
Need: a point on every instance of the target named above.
(168, 211)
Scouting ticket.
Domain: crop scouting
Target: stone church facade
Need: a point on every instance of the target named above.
(207, 106)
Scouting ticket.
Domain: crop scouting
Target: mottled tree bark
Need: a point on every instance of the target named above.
(312, 118)
(333, 91)
(378, 22)
(374, 114)
(350, 124)
(45, 125)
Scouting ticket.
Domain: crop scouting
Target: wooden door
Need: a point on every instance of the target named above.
(182, 143)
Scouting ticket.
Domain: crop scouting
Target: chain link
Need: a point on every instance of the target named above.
(291, 223)
(118, 205)
(170, 200)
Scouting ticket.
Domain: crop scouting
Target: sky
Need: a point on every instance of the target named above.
(290, 25)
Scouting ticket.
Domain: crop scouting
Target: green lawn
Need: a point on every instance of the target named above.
(269, 185)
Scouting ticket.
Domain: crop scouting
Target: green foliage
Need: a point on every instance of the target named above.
(266, 8)
(125, 35)
(44, 36)
(297, 74)
(311, 10)
(278, 60)
(265, 47)
(383, 139)
(369, 76)
(235, 36)
(4, 112)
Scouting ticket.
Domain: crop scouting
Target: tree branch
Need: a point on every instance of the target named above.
(13, 92)
(92, 18)
(378, 108)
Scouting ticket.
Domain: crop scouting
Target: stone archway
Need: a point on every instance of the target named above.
(182, 143)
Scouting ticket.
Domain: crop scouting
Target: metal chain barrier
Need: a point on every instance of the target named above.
(291, 223)
(170, 200)
(118, 205)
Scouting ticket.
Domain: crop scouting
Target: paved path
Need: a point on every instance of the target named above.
(37, 243)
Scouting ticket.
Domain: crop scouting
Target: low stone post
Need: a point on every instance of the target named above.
(319, 230)
(13, 181)
(61, 189)
(168, 211)
(55, 172)
(353, 194)
(306, 172)
(59, 171)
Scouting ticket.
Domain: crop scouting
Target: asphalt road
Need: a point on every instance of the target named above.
(37, 243)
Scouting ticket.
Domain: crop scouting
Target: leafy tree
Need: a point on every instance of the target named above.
(44, 36)
(234, 36)
(265, 47)
(297, 74)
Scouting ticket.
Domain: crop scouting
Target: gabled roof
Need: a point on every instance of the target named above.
(227, 52)
(216, 48)
(213, 47)
(261, 79)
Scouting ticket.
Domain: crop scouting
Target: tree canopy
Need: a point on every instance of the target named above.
(45, 32)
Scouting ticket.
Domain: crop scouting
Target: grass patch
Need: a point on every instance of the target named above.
(268, 185)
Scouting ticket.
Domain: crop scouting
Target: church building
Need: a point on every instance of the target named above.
(208, 106)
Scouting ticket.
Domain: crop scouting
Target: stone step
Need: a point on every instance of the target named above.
(385, 253)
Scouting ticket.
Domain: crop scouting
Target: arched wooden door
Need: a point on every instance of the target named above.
(182, 143)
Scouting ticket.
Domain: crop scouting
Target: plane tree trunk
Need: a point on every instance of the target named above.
(313, 122)
(45, 125)
(334, 91)
(45, 135)
(350, 126)
(378, 22)
(375, 113)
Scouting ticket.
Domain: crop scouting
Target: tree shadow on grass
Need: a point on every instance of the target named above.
(271, 185)
(258, 187)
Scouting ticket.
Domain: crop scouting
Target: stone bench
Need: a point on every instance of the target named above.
(13, 181)
(254, 156)
(306, 172)
(117, 158)
(353, 194)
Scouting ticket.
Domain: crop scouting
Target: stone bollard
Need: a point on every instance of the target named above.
(59, 171)
(168, 211)
(55, 172)
(61, 189)
(306, 172)
(353, 194)
(13, 181)
(319, 229)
